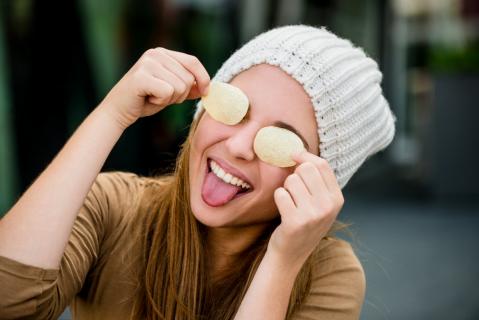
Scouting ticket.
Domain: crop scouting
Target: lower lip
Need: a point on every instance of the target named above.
(238, 195)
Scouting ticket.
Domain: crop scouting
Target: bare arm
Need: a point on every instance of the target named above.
(337, 289)
(268, 294)
(36, 229)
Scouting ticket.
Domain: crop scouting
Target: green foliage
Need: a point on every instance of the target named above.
(455, 60)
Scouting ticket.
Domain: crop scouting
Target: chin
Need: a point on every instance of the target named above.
(202, 213)
(208, 218)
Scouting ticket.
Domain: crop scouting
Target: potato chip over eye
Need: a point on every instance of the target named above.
(275, 146)
(225, 103)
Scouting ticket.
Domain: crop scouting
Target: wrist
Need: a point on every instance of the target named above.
(287, 265)
(108, 111)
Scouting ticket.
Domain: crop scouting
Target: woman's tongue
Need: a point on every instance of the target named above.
(216, 192)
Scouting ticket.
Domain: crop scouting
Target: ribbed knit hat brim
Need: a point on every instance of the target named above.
(353, 117)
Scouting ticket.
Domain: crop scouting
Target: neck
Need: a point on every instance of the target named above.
(226, 243)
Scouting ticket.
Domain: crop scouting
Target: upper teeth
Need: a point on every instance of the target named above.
(228, 177)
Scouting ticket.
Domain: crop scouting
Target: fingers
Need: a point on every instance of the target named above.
(194, 93)
(326, 185)
(297, 189)
(176, 70)
(284, 202)
(322, 166)
(193, 65)
(158, 91)
(184, 72)
(158, 70)
(308, 204)
(312, 178)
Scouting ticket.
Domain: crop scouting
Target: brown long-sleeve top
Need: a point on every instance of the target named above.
(93, 280)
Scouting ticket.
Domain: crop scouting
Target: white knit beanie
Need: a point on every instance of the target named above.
(354, 119)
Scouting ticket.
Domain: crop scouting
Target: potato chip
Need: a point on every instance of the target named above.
(225, 103)
(275, 146)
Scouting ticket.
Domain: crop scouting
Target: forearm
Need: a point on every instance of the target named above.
(268, 296)
(36, 229)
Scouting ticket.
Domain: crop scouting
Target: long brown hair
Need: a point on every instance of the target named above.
(173, 277)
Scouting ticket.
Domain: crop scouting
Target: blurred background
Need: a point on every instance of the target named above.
(414, 208)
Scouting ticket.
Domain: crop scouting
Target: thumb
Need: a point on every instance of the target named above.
(195, 93)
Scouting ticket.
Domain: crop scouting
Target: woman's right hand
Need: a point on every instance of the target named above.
(159, 78)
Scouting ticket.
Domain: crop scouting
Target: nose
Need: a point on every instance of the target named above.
(240, 143)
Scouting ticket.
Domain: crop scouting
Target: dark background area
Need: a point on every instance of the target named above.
(414, 207)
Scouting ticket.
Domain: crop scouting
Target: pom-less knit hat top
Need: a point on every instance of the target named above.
(354, 119)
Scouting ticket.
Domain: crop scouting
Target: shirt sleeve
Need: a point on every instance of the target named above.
(29, 292)
(338, 285)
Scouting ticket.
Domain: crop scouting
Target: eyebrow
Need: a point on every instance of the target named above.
(284, 125)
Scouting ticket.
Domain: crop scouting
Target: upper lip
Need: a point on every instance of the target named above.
(230, 169)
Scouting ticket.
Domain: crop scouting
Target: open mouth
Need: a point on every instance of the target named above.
(243, 189)
(220, 187)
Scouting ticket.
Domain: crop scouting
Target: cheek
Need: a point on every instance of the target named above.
(273, 177)
(208, 133)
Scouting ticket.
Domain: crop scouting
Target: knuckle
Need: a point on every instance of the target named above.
(149, 53)
(146, 62)
(328, 207)
(169, 89)
(138, 75)
(193, 61)
(153, 54)
(316, 219)
(159, 50)
(183, 87)
(190, 79)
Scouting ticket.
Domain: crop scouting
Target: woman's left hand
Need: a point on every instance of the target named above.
(308, 204)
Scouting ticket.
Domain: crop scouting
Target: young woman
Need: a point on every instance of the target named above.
(189, 245)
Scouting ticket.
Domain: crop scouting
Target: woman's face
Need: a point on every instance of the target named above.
(274, 96)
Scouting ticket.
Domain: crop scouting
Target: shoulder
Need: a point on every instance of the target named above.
(118, 187)
(116, 194)
(119, 181)
(333, 255)
(120, 194)
(338, 282)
